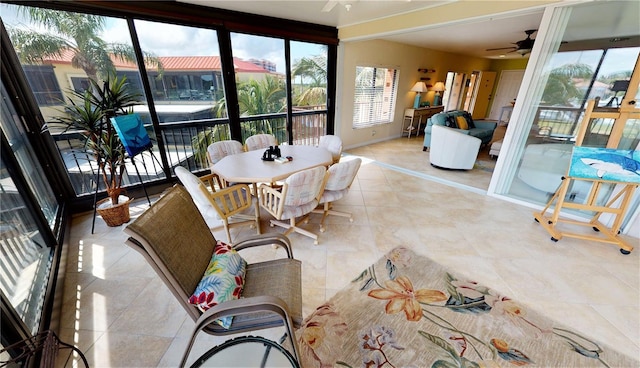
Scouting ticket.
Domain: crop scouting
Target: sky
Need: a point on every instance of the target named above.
(616, 60)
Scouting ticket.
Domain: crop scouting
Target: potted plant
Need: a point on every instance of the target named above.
(90, 113)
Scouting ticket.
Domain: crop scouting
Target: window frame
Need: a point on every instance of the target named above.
(386, 95)
(43, 83)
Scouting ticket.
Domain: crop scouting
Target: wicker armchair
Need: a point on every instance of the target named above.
(175, 240)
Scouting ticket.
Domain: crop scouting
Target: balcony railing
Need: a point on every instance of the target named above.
(185, 144)
(562, 123)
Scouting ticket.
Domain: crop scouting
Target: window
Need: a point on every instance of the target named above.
(44, 85)
(80, 84)
(375, 96)
(309, 91)
(26, 257)
(260, 84)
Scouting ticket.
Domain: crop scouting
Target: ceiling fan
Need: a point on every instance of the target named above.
(522, 47)
(330, 4)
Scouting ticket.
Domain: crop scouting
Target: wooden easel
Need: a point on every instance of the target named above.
(619, 203)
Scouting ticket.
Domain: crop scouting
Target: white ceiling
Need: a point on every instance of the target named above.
(599, 20)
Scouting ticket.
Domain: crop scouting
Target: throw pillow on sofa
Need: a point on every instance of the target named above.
(462, 123)
(469, 120)
(451, 122)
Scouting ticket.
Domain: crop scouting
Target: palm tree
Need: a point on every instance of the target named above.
(561, 88)
(315, 69)
(79, 33)
(266, 96)
(256, 97)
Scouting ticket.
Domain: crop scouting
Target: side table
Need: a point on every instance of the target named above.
(505, 110)
(419, 116)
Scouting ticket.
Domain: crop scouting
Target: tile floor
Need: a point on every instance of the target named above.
(121, 315)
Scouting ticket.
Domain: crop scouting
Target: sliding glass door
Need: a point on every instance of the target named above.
(25, 255)
(552, 102)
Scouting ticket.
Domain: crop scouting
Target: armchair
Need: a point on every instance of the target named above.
(451, 149)
(333, 144)
(260, 141)
(227, 205)
(299, 195)
(340, 178)
(217, 150)
(176, 242)
(482, 129)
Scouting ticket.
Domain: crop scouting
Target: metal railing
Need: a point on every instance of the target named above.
(558, 120)
(563, 123)
(185, 144)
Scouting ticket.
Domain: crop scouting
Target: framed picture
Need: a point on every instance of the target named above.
(131, 131)
(605, 164)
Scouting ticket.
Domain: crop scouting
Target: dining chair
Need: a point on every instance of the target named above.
(216, 151)
(260, 141)
(333, 144)
(340, 178)
(227, 205)
(299, 196)
(176, 243)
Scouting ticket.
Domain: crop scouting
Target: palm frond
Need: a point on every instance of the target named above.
(32, 47)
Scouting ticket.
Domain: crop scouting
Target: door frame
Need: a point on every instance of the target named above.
(504, 87)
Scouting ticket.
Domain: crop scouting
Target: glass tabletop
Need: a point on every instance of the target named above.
(247, 351)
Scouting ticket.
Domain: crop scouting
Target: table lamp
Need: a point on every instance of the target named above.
(438, 87)
(419, 87)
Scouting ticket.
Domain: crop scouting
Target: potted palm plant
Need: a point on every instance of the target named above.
(90, 112)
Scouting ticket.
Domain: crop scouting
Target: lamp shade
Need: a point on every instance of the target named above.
(419, 87)
(438, 87)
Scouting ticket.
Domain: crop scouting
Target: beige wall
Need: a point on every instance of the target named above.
(407, 59)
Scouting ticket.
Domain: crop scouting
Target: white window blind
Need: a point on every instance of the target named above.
(375, 96)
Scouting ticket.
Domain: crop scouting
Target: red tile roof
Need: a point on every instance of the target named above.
(190, 62)
(172, 63)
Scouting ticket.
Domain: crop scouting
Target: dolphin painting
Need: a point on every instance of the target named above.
(613, 164)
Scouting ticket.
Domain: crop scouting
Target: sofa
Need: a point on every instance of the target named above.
(452, 149)
(482, 129)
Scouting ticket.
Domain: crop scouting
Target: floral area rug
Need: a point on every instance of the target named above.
(408, 311)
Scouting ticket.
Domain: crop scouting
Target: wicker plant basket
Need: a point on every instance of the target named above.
(114, 215)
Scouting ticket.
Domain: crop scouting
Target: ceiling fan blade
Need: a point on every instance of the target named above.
(329, 6)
